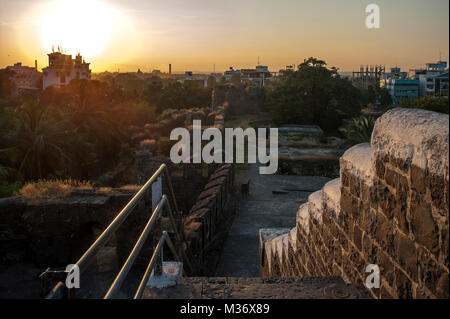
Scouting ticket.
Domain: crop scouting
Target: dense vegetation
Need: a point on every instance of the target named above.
(315, 94)
(435, 104)
(84, 129)
(177, 95)
(359, 130)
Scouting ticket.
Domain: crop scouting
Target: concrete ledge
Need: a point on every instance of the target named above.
(172, 274)
(416, 136)
(331, 193)
(268, 239)
(303, 217)
(315, 201)
(259, 288)
(357, 161)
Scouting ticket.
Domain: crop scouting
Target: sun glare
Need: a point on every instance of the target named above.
(78, 26)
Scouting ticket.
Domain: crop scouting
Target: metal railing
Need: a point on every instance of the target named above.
(157, 257)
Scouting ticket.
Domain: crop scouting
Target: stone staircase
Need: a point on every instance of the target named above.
(388, 209)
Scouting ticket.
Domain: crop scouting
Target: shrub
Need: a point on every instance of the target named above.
(435, 104)
(359, 130)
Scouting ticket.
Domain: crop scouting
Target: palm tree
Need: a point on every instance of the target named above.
(38, 141)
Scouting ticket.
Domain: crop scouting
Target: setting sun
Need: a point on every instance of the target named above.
(77, 26)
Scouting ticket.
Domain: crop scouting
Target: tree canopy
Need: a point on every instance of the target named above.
(314, 94)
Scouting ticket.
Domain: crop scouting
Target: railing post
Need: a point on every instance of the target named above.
(159, 261)
(172, 193)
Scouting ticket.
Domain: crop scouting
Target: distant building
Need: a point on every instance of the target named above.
(230, 72)
(367, 76)
(62, 69)
(403, 89)
(26, 77)
(433, 79)
(256, 76)
(189, 79)
(390, 77)
(396, 73)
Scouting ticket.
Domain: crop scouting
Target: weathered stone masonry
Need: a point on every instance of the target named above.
(389, 207)
(213, 207)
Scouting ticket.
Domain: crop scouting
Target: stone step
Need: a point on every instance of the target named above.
(258, 288)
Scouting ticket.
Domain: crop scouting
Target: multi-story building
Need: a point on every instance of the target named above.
(403, 89)
(62, 69)
(389, 77)
(433, 79)
(230, 73)
(256, 76)
(368, 76)
(26, 77)
(190, 79)
(430, 81)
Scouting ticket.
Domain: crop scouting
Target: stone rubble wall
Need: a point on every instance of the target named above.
(389, 207)
(56, 232)
(212, 207)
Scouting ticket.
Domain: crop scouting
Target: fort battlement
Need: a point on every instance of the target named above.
(389, 208)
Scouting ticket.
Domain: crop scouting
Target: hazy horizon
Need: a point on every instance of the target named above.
(149, 35)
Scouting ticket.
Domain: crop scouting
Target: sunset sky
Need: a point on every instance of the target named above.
(196, 34)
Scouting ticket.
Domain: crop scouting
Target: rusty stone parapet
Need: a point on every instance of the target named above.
(389, 207)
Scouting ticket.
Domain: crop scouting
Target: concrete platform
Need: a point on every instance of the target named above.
(258, 288)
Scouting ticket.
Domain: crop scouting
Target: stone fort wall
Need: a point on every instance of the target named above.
(389, 207)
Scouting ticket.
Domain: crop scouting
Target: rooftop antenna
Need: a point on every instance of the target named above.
(258, 60)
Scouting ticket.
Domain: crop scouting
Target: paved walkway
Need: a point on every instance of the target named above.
(262, 209)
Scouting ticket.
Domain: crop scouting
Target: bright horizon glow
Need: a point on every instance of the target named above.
(87, 29)
(99, 30)
(207, 35)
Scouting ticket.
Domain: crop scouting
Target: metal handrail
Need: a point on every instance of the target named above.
(84, 261)
(118, 281)
(87, 257)
(157, 256)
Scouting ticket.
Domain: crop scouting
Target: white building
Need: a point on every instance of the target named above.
(190, 78)
(26, 77)
(62, 69)
(230, 73)
(433, 79)
(256, 76)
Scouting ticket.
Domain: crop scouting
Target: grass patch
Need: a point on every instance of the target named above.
(52, 188)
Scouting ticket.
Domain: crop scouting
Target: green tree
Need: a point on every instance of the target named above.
(38, 143)
(314, 94)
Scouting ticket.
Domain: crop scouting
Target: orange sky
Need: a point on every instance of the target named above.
(196, 34)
